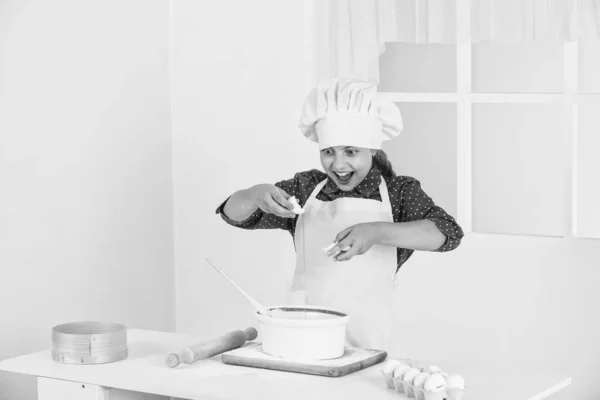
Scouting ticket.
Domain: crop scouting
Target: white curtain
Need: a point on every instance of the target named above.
(351, 34)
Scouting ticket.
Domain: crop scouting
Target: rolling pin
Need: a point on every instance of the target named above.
(209, 348)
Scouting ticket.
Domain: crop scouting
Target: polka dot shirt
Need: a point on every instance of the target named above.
(409, 203)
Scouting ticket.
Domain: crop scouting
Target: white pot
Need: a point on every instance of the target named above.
(303, 332)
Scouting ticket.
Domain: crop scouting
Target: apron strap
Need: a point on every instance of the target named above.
(316, 190)
(385, 196)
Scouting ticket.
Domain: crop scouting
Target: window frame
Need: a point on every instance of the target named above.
(464, 98)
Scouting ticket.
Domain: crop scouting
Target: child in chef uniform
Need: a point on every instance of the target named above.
(359, 221)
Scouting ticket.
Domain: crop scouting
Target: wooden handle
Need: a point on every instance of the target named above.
(209, 348)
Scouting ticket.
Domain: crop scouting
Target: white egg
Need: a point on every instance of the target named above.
(435, 383)
(412, 363)
(400, 370)
(410, 375)
(418, 365)
(455, 381)
(432, 369)
(420, 379)
(390, 366)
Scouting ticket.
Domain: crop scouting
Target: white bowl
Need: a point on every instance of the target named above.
(303, 332)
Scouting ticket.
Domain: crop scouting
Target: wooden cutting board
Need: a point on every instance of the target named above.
(354, 359)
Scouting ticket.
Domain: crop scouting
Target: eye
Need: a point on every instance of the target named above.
(351, 152)
(327, 152)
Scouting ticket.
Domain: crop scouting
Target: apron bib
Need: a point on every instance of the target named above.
(363, 286)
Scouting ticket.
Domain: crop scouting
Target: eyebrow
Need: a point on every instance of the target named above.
(344, 148)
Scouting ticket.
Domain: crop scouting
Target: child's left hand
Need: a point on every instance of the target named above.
(358, 239)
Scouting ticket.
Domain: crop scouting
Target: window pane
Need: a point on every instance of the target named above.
(500, 68)
(589, 65)
(588, 172)
(426, 150)
(407, 67)
(518, 169)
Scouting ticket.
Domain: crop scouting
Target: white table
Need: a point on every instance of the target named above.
(144, 375)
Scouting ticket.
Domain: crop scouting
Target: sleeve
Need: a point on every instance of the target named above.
(416, 205)
(297, 186)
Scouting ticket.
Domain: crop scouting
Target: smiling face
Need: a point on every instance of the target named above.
(347, 166)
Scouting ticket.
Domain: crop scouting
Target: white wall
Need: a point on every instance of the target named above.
(238, 82)
(85, 171)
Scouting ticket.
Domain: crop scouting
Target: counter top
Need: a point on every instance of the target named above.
(145, 371)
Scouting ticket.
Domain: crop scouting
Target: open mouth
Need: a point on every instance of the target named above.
(343, 177)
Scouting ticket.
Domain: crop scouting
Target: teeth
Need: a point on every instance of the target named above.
(343, 173)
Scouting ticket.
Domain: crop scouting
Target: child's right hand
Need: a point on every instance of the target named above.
(273, 200)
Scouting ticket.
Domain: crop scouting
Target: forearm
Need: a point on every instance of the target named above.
(414, 235)
(240, 205)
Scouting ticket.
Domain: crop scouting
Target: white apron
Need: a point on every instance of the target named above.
(362, 286)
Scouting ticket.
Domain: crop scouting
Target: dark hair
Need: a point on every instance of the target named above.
(380, 160)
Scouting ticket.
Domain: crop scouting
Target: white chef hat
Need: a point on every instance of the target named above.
(347, 113)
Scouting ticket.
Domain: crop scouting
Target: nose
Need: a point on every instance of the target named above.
(339, 162)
